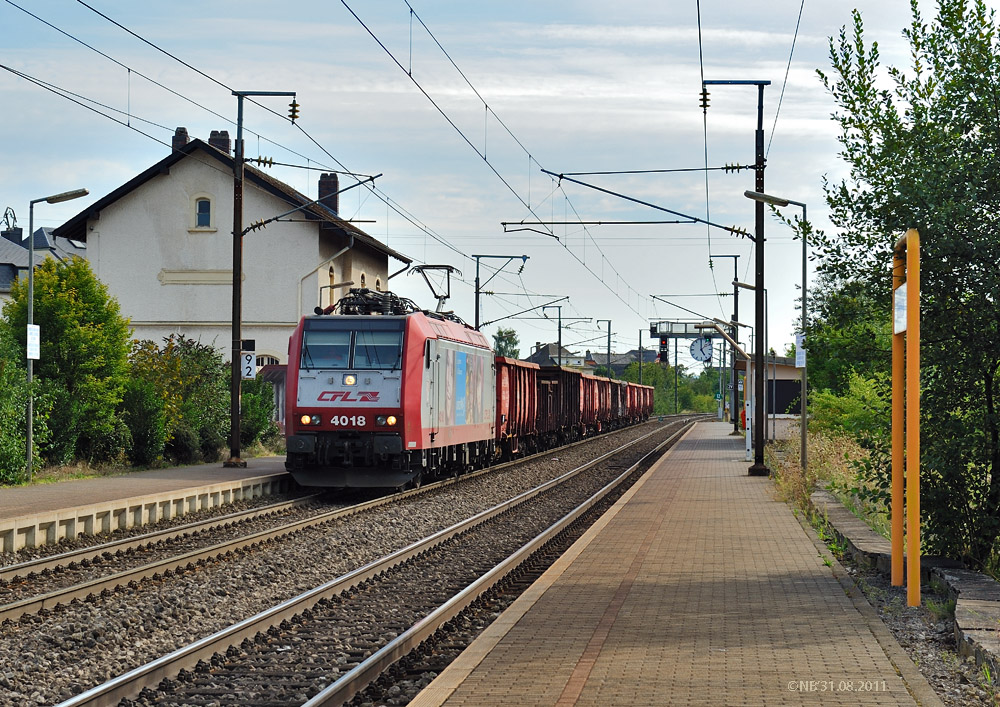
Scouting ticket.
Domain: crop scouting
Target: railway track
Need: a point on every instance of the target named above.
(45, 583)
(326, 644)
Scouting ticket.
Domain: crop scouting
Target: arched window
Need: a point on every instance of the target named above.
(267, 361)
(378, 285)
(203, 213)
(362, 279)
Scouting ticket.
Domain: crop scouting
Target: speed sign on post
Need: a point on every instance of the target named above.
(248, 365)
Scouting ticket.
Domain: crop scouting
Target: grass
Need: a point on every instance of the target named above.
(829, 467)
(943, 609)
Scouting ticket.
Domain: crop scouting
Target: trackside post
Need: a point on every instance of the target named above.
(906, 414)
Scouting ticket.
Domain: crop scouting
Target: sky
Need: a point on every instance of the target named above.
(460, 106)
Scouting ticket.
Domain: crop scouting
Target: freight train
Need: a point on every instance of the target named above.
(380, 393)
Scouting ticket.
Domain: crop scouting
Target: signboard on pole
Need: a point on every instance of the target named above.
(34, 339)
(800, 351)
(248, 366)
(899, 309)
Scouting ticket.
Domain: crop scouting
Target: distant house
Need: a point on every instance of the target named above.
(548, 355)
(162, 243)
(619, 362)
(14, 254)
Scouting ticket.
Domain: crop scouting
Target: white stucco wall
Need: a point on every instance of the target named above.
(169, 276)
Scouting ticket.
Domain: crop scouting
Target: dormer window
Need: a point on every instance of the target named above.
(203, 213)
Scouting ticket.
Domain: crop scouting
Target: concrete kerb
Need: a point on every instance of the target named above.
(52, 526)
(976, 596)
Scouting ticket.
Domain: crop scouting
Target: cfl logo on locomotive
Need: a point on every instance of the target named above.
(344, 396)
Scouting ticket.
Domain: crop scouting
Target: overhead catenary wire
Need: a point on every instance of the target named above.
(207, 76)
(468, 141)
(785, 82)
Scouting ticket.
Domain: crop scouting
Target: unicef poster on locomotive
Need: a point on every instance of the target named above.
(460, 385)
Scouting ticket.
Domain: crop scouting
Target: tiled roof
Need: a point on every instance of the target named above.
(76, 227)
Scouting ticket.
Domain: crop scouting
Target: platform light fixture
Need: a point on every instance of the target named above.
(54, 199)
(780, 201)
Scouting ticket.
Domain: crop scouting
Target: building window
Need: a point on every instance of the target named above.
(378, 285)
(362, 279)
(267, 361)
(203, 213)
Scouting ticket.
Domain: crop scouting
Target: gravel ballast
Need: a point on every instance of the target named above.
(53, 655)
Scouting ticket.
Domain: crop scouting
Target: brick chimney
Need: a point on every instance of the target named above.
(180, 138)
(329, 185)
(219, 139)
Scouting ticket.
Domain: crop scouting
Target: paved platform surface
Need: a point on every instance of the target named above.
(697, 588)
(39, 498)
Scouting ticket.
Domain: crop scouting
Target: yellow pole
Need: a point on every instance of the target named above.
(898, 372)
(912, 418)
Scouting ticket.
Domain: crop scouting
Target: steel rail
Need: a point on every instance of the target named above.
(50, 562)
(353, 682)
(22, 569)
(65, 595)
(149, 675)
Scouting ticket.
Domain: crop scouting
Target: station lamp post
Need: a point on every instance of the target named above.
(779, 201)
(33, 335)
(766, 366)
(733, 397)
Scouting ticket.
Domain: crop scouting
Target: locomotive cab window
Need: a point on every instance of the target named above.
(353, 343)
(377, 349)
(326, 349)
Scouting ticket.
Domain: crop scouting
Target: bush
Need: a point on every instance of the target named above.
(257, 410)
(210, 443)
(142, 411)
(864, 411)
(183, 447)
(192, 381)
(65, 422)
(108, 441)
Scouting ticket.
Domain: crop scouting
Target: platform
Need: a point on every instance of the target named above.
(697, 588)
(46, 513)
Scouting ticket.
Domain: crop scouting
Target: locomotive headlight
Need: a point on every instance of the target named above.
(350, 379)
(384, 420)
(309, 419)
(391, 420)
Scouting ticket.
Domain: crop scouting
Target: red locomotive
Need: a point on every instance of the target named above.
(382, 394)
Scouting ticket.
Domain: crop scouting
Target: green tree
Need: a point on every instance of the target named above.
(192, 380)
(505, 343)
(922, 153)
(693, 393)
(84, 358)
(849, 332)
